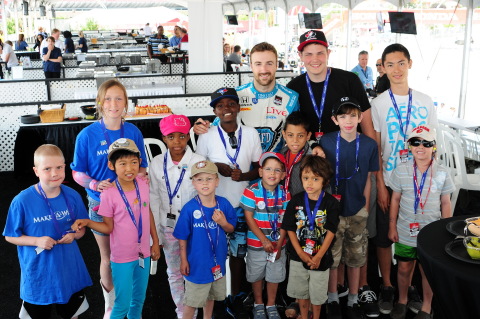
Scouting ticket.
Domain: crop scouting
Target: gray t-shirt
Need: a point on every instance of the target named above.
(235, 58)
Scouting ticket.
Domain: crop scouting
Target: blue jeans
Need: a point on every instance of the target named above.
(130, 282)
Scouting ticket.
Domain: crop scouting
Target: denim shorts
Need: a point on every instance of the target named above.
(92, 203)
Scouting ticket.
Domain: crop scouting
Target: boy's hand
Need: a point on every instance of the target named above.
(236, 175)
(393, 233)
(224, 169)
(155, 252)
(219, 217)
(315, 261)
(278, 248)
(45, 242)
(79, 224)
(67, 239)
(201, 126)
(103, 185)
(267, 246)
(184, 268)
(306, 258)
(318, 151)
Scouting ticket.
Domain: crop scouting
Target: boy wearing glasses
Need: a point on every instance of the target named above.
(201, 229)
(421, 195)
(353, 157)
(395, 113)
(264, 204)
(235, 150)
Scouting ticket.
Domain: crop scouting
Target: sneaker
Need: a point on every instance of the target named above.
(342, 290)
(259, 312)
(368, 301)
(385, 304)
(354, 312)
(422, 315)
(414, 301)
(333, 310)
(399, 311)
(273, 313)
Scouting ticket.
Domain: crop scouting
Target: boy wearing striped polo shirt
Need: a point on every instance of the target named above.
(264, 204)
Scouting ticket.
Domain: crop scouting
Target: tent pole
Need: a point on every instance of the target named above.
(466, 60)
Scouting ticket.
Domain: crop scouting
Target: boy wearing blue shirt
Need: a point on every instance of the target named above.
(353, 157)
(38, 222)
(201, 229)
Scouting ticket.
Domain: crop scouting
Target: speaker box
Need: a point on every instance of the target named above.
(25, 8)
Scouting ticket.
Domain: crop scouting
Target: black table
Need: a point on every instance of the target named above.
(30, 137)
(455, 283)
(34, 55)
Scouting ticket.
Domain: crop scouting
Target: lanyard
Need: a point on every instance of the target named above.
(52, 213)
(129, 208)
(167, 181)
(312, 213)
(297, 159)
(319, 111)
(337, 161)
(274, 222)
(418, 189)
(234, 158)
(207, 229)
(107, 138)
(397, 111)
(365, 72)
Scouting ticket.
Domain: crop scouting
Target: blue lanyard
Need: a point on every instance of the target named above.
(365, 72)
(234, 158)
(397, 111)
(337, 161)
(52, 213)
(274, 222)
(419, 189)
(319, 111)
(107, 138)
(130, 210)
(311, 214)
(207, 229)
(167, 181)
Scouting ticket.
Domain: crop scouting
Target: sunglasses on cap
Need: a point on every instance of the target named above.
(417, 142)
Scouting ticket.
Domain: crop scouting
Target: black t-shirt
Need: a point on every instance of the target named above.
(341, 83)
(383, 84)
(296, 219)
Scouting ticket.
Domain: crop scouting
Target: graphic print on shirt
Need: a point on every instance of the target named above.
(303, 228)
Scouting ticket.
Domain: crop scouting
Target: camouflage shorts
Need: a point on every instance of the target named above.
(351, 240)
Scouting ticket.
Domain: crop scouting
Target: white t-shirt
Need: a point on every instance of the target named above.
(385, 121)
(147, 30)
(210, 145)
(12, 59)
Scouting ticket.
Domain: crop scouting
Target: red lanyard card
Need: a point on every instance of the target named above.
(217, 272)
(309, 244)
(414, 229)
(403, 155)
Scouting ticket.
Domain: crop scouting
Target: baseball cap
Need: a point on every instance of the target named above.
(268, 155)
(312, 36)
(204, 167)
(175, 123)
(424, 132)
(343, 102)
(122, 144)
(223, 93)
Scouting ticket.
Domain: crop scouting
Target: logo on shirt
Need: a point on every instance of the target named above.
(59, 216)
(275, 111)
(103, 142)
(254, 100)
(197, 214)
(245, 109)
(277, 100)
(244, 100)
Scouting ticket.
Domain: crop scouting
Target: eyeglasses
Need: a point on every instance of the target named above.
(232, 139)
(203, 180)
(416, 142)
(274, 170)
(378, 64)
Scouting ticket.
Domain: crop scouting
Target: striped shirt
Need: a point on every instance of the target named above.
(252, 200)
(155, 41)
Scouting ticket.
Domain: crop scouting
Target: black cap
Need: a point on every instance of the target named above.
(343, 102)
(223, 93)
(312, 36)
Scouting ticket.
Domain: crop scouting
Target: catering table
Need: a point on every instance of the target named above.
(140, 90)
(34, 55)
(455, 283)
(30, 137)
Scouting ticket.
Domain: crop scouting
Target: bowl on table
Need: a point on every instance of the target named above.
(472, 244)
(90, 111)
(30, 119)
(472, 226)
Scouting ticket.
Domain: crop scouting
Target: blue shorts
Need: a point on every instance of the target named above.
(92, 214)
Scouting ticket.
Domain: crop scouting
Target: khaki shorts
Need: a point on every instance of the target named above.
(196, 295)
(351, 240)
(307, 284)
(259, 268)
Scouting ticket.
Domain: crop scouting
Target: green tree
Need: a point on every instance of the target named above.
(91, 25)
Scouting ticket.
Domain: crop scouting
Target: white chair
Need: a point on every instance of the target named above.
(148, 142)
(453, 157)
(193, 140)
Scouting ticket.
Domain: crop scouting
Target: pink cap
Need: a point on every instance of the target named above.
(174, 123)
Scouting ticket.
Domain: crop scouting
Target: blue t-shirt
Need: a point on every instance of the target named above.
(69, 46)
(91, 150)
(175, 41)
(22, 46)
(366, 76)
(83, 41)
(53, 275)
(190, 227)
(50, 66)
(351, 189)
